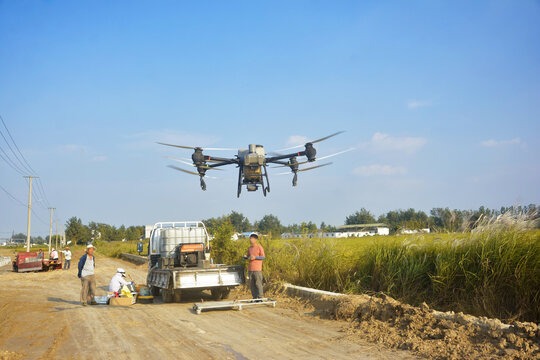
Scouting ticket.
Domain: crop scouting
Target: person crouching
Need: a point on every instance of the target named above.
(118, 281)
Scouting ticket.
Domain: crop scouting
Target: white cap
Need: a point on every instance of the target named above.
(121, 271)
(90, 246)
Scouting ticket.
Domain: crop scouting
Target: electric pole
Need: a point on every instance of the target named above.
(30, 177)
(56, 237)
(50, 229)
(62, 238)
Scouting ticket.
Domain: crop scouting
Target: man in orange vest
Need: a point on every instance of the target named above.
(255, 256)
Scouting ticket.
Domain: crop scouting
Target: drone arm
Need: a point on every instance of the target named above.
(223, 162)
(274, 159)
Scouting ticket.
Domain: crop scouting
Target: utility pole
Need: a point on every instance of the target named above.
(56, 237)
(50, 229)
(30, 177)
(62, 238)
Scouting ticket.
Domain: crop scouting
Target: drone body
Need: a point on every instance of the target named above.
(252, 164)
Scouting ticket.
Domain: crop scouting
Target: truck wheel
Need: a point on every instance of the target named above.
(216, 294)
(225, 293)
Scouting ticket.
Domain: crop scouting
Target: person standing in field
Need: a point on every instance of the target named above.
(67, 258)
(255, 255)
(87, 265)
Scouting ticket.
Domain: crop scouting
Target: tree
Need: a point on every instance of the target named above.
(76, 231)
(224, 250)
(269, 224)
(360, 217)
(239, 222)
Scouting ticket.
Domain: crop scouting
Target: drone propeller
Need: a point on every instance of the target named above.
(314, 167)
(321, 158)
(306, 169)
(192, 164)
(312, 142)
(189, 172)
(184, 170)
(196, 147)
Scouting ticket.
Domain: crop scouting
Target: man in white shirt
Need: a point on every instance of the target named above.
(118, 281)
(67, 258)
(54, 254)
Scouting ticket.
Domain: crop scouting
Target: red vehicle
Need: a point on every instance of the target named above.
(29, 261)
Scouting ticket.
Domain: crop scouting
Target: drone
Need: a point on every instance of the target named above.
(252, 163)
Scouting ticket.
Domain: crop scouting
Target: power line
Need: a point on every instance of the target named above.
(14, 143)
(10, 162)
(11, 196)
(40, 190)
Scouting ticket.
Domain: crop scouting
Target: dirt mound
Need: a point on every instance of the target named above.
(434, 334)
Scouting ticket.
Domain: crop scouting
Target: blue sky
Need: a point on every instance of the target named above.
(440, 99)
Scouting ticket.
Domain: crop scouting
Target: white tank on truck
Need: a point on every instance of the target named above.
(179, 260)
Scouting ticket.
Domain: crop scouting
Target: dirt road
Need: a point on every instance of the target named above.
(41, 317)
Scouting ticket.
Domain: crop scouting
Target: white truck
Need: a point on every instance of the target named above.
(179, 260)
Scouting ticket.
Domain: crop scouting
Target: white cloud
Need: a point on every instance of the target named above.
(415, 104)
(385, 142)
(493, 143)
(74, 148)
(376, 169)
(296, 140)
(98, 158)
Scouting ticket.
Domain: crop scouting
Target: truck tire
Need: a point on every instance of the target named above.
(220, 293)
(216, 294)
(225, 293)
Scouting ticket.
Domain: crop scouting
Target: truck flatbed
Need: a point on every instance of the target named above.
(239, 304)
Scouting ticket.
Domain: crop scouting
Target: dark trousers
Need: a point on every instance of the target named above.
(67, 264)
(256, 284)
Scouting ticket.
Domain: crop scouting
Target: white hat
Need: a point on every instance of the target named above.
(90, 246)
(121, 271)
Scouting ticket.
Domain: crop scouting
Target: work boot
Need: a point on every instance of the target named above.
(84, 304)
(93, 303)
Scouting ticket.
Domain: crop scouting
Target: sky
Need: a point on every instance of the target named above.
(440, 99)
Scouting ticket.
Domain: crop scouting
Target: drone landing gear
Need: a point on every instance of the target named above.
(203, 184)
(240, 171)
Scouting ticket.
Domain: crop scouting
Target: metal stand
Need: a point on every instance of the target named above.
(239, 304)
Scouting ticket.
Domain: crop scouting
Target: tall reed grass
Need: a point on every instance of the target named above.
(494, 271)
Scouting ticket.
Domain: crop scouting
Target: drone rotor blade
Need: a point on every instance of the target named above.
(183, 170)
(289, 148)
(178, 146)
(180, 160)
(193, 147)
(312, 141)
(314, 167)
(326, 137)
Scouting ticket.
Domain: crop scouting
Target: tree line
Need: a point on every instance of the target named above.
(438, 220)
(79, 233)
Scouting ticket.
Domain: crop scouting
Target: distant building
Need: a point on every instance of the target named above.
(418, 231)
(345, 231)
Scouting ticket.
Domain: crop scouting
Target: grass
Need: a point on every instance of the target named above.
(494, 273)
